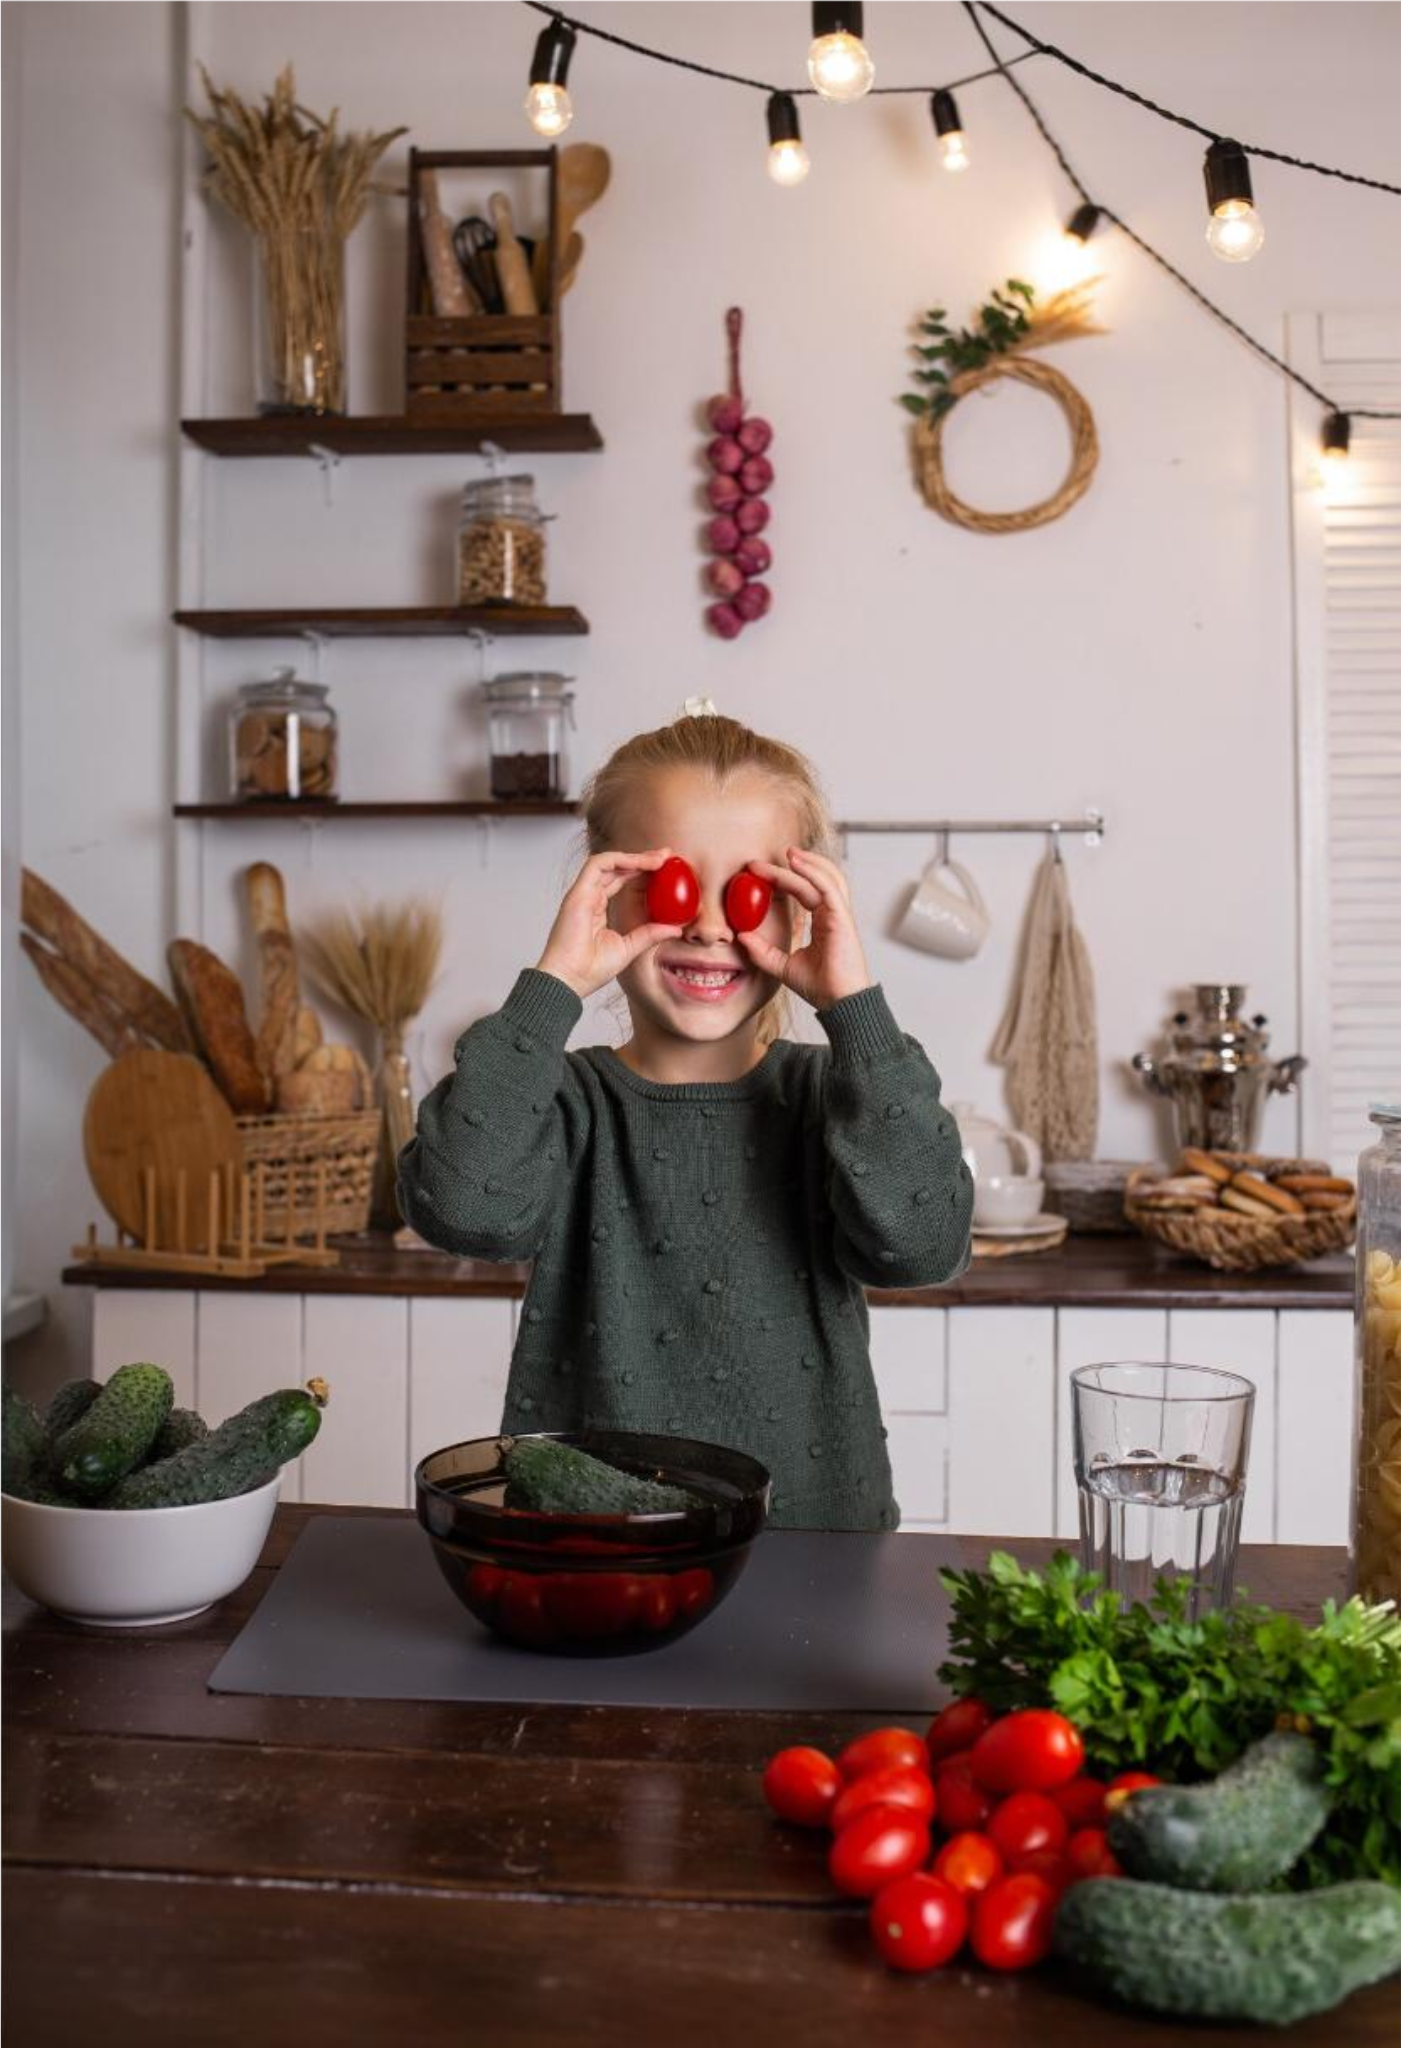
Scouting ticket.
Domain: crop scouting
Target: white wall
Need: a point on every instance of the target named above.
(1135, 655)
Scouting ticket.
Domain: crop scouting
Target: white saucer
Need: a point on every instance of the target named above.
(1043, 1225)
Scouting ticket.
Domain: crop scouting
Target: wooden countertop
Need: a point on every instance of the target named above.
(1087, 1272)
(221, 1869)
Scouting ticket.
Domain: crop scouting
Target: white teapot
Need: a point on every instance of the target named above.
(992, 1151)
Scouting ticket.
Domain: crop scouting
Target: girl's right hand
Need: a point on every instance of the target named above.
(583, 950)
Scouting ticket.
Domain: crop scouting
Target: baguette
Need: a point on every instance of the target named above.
(277, 972)
(308, 1034)
(112, 1028)
(114, 981)
(212, 1001)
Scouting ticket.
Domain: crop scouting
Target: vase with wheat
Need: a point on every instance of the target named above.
(300, 186)
(380, 964)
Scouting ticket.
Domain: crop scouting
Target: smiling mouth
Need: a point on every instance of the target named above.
(710, 983)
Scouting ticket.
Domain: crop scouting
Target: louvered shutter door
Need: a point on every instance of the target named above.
(1347, 581)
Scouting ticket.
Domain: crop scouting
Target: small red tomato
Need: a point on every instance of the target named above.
(961, 1802)
(969, 1863)
(592, 1605)
(911, 1790)
(1090, 1855)
(1025, 1825)
(523, 1611)
(1028, 1752)
(1081, 1801)
(956, 1728)
(1127, 1783)
(918, 1922)
(693, 1590)
(673, 893)
(801, 1785)
(883, 1843)
(485, 1583)
(747, 900)
(1013, 1922)
(658, 1609)
(898, 1749)
(1052, 1864)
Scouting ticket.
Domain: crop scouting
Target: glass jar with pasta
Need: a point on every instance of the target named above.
(1376, 1494)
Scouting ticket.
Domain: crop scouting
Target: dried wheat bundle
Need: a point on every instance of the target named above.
(1066, 317)
(379, 964)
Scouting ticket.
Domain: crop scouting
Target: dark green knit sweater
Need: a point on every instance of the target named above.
(700, 1248)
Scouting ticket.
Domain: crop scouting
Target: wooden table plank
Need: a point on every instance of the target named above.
(195, 1964)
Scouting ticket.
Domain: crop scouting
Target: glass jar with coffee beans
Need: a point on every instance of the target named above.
(501, 543)
(282, 741)
(527, 712)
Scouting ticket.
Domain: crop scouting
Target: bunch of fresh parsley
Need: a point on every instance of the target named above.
(1149, 1689)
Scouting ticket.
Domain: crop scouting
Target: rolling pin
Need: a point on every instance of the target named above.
(512, 266)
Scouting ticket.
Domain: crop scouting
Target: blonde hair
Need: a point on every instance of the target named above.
(721, 748)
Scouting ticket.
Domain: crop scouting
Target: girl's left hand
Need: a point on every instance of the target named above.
(832, 964)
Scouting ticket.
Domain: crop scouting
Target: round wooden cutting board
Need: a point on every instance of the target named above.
(160, 1112)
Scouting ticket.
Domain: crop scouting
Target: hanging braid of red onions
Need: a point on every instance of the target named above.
(741, 473)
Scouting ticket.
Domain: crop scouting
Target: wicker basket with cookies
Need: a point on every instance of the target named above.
(1239, 1211)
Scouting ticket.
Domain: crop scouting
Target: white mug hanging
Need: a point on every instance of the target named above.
(950, 922)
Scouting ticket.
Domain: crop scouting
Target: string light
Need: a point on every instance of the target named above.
(547, 104)
(788, 160)
(953, 143)
(1337, 438)
(1235, 230)
(839, 64)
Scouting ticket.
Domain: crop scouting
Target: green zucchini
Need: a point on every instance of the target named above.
(553, 1478)
(71, 1402)
(1275, 1957)
(21, 1445)
(239, 1456)
(116, 1432)
(181, 1428)
(1239, 1833)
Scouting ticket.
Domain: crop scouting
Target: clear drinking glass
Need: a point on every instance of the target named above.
(1160, 1460)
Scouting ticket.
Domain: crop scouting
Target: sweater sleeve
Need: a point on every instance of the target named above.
(497, 1138)
(897, 1182)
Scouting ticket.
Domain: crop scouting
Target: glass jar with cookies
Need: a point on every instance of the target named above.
(1375, 1550)
(282, 742)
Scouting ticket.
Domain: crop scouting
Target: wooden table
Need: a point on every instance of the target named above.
(198, 1869)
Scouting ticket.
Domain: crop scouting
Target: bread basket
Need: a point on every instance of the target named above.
(1234, 1243)
(327, 1163)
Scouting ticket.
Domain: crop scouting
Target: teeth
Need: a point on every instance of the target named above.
(698, 980)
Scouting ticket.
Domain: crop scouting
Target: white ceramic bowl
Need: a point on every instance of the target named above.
(1007, 1199)
(135, 1567)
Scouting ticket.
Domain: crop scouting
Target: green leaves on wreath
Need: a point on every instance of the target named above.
(943, 354)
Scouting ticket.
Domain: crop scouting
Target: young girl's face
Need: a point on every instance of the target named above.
(702, 985)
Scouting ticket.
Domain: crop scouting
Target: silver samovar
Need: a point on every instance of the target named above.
(1218, 1072)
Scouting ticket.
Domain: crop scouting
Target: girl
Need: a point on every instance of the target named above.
(705, 1205)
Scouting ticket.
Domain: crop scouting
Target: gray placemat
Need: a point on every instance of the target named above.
(817, 1620)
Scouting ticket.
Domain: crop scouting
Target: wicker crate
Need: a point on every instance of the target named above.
(1234, 1243)
(481, 367)
(327, 1163)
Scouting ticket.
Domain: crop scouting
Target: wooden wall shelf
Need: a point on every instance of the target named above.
(340, 622)
(541, 433)
(289, 812)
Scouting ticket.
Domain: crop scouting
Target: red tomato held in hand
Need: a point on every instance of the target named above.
(1013, 1922)
(1090, 1855)
(801, 1785)
(1127, 1783)
(961, 1802)
(1028, 1752)
(1081, 1801)
(673, 893)
(918, 1922)
(910, 1790)
(747, 900)
(1025, 1825)
(896, 1749)
(969, 1863)
(956, 1728)
(883, 1843)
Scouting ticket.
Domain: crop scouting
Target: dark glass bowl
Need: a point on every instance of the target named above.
(592, 1585)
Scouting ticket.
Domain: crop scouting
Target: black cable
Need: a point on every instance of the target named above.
(1278, 156)
(1276, 362)
(603, 35)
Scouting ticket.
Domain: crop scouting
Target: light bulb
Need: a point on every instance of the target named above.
(840, 67)
(549, 109)
(953, 143)
(789, 163)
(1235, 231)
(954, 150)
(1337, 437)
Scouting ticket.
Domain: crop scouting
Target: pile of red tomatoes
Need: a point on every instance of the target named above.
(967, 1835)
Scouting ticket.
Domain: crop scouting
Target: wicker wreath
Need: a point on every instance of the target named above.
(1084, 456)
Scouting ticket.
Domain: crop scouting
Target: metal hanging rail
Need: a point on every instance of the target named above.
(1091, 828)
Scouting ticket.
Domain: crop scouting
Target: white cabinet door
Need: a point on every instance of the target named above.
(250, 1344)
(459, 1356)
(919, 1467)
(1001, 1420)
(1239, 1340)
(360, 1345)
(909, 1353)
(1094, 1336)
(154, 1325)
(1315, 1426)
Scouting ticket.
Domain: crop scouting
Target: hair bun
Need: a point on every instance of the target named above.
(698, 707)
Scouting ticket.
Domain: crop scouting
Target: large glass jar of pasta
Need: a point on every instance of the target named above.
(1376, 1494)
